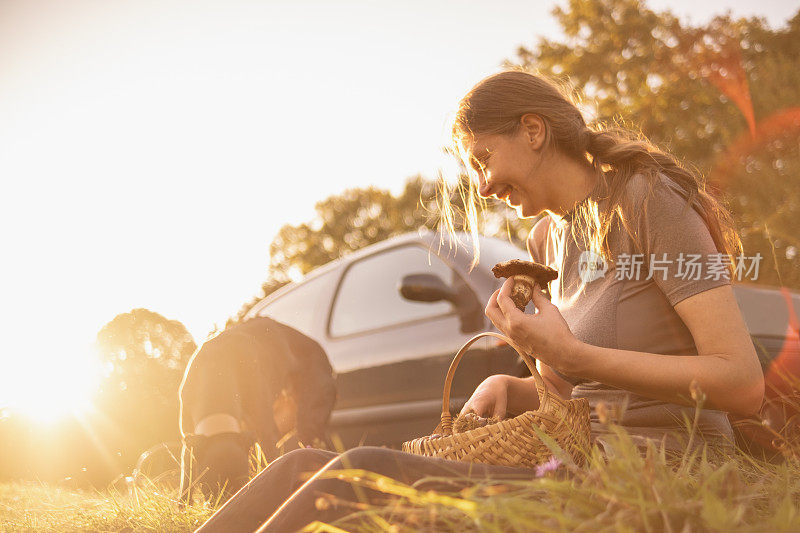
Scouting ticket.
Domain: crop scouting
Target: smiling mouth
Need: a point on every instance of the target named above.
(504, 194)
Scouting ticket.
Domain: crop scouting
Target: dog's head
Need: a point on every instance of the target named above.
(221, 462)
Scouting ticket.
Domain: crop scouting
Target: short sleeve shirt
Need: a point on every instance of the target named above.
(629, 305)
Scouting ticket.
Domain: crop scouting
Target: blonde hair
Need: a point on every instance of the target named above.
(495, 106)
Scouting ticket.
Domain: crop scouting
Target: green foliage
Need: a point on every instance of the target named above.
(648, 69)
(765, 199)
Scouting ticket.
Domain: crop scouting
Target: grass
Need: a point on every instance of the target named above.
(626, 491)
(39, 507)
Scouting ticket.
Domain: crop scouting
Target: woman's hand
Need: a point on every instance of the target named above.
(490, 398)
(544, 335)
(503, 394)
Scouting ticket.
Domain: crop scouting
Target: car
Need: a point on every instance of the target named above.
(392, 315)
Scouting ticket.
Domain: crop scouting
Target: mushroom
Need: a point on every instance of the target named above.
(526, 274)
(467, 421)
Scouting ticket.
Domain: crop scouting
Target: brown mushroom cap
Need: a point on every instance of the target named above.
(527, 274)
(517, 267)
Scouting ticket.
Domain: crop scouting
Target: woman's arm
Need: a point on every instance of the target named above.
(556, 384)
(522, 394)
(726, 368)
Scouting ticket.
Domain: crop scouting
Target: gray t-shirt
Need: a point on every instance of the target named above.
(629, 310)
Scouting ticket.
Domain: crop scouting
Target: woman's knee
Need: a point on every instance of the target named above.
(291, 466)
(304, 456)
(370, 458)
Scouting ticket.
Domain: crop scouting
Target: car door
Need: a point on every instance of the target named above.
(392, 354)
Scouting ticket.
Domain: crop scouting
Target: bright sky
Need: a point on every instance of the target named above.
(150, 150)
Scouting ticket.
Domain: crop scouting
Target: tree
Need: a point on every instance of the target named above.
(145, 356)
(145, 353)
(711, 95)
(350, 221)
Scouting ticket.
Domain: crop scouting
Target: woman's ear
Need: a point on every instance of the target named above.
(534, 129)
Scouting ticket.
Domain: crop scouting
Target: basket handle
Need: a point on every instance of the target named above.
(447, 418)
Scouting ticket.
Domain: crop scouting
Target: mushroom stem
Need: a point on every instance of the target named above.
(528, 275)
(522, 292)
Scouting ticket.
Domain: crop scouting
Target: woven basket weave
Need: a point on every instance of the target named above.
(513, 441)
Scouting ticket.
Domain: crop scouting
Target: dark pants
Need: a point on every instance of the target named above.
(281, 499)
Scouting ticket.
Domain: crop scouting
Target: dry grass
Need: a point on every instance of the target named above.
(626, 491)
(38, 507)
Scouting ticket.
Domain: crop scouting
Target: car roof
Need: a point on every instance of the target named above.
(456, 248)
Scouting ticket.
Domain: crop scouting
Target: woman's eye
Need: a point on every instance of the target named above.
(479, 164)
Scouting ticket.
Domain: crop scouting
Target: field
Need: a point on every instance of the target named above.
(627, 491)
(38, 507)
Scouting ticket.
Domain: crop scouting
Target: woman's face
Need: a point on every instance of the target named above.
(509, 167)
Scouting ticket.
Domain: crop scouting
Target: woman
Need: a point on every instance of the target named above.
(642, 313)
(648, 343)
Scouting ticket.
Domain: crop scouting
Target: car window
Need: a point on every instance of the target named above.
(296, 307)
(369, 296)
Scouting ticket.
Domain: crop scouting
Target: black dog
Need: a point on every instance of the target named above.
(228, 394)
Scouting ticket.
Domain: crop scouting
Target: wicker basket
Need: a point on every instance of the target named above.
(513, 441)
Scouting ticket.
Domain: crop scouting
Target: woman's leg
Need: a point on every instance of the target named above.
(262, 496)
(407, 468)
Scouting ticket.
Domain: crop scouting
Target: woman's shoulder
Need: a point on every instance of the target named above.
(662, 217)
(653, 187)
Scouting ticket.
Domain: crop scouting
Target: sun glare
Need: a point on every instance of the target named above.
(49, 406)
(48, 390)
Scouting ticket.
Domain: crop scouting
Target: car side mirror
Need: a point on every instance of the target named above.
(431, 288)
(426, 288)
